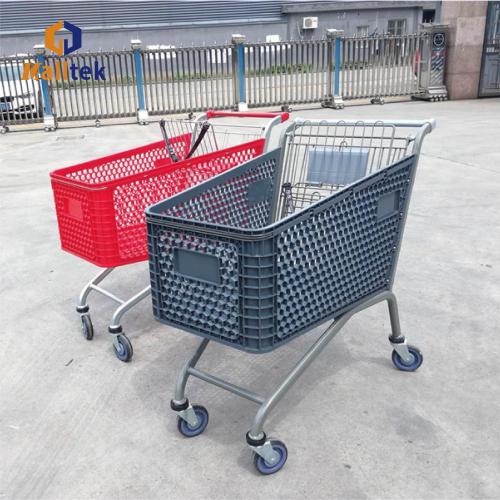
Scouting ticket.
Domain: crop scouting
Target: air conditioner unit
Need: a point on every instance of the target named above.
(309, 23)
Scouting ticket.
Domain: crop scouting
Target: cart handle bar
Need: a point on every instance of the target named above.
(369, 122)
(424, 126)
(246, 114)
(275, 119)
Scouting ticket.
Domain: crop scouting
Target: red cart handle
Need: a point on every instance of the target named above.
(246, 114)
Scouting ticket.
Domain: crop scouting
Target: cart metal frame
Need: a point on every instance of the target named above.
(214, 141)
(405, 357)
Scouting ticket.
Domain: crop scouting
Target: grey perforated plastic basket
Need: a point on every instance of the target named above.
(262, 253)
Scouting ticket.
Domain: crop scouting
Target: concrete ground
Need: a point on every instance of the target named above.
(76, 423)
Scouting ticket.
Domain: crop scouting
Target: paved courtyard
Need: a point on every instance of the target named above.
(76, 423)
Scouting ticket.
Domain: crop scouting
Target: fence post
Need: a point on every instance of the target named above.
(334, 97)
(432, 63)
(49, 119)
(239, 90)
(142, 112)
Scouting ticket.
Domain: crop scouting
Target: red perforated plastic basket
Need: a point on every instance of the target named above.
(100, 204)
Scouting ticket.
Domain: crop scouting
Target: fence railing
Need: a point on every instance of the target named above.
(188, 79)
(113, 97)
(286, 72)
(381, 66)
(141, 82)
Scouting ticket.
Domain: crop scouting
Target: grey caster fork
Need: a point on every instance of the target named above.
(270, 455)
(121, 344)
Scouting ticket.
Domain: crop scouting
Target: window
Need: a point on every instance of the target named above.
(396, 27)
(362, 30)
(428, 16)
(273, 38)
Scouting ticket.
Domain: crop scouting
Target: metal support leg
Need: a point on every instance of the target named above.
(397, 339)
(122, 346)
(181, 404)
(271, 454)
(82, 299)
(115, 326)
(392, 303)
(256, 432)
(180, 387)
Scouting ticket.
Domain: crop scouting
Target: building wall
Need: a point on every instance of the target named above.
(107, 25)
(466, 22)
(94, 40)
(349, 20)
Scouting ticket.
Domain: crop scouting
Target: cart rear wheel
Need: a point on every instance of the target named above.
(123, 348)
(411, 366)
(186, 430)
(263, 467)
(87, 327)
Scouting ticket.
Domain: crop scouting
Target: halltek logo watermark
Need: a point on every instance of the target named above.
(61, 69)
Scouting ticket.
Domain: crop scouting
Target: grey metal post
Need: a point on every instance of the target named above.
(333, 98)
(239, 90)
(142, 112)
(49, 120)
(432, 63)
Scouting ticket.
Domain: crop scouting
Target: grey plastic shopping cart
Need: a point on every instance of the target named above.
(306, 233)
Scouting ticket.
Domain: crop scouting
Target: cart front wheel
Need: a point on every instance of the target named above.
(408, 366)
(123, 348)
(87, 327)
(265, 468)
(186, 430)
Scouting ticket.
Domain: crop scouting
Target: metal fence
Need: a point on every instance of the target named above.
(176, 80)
(114, 97)
(381, 66)
(286, 72)
(188, 79)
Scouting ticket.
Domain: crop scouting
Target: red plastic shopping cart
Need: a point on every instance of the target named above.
(100, 204)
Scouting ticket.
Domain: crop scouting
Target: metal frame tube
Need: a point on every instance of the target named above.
(128, 304)
(313, 352)
(267, 404)
(82, 299)
(180, 387)
(223, 384)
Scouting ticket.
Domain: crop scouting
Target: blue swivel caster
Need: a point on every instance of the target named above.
(123, 348)
(278, 460)
(410, 365)
(193, 428)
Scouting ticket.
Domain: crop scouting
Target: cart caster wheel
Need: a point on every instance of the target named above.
(4, 130)
(123, 348)
(97, 123)
(186, 430)
(417, 359)
(87, 327)
(263, 467)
